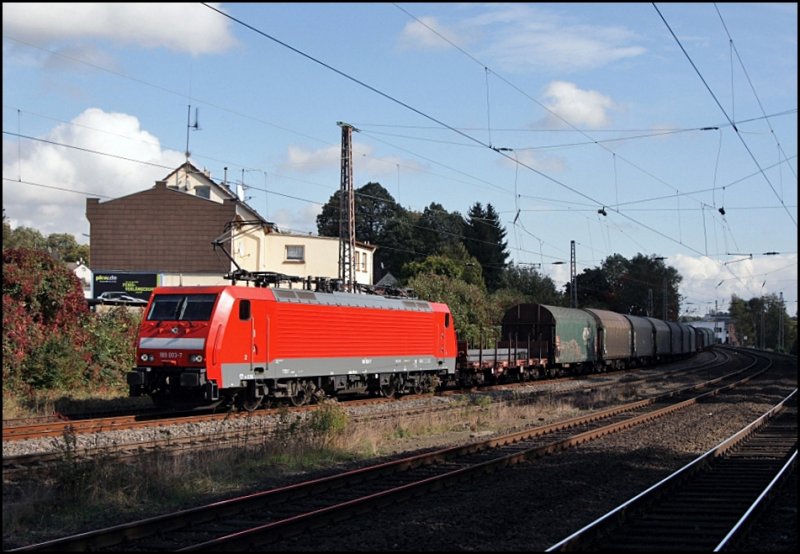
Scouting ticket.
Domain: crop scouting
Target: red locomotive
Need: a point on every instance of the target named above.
(242, 344)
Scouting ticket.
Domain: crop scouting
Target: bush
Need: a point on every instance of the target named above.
(111, 347)
(50, 338)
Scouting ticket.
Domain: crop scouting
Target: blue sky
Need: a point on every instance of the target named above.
(658, 115)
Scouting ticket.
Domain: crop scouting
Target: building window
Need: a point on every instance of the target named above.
(295, 253)
(364, 262)
(203, 192)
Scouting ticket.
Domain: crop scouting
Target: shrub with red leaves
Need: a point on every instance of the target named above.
(44, 311)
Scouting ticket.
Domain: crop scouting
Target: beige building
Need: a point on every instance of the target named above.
(190, 230)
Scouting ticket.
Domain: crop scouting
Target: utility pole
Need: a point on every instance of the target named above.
(649, 302)
(780, 326)
(665, 300)
(573, 289)
(347, 211)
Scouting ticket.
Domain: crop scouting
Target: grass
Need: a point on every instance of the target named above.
(44, 403)
(102, 492)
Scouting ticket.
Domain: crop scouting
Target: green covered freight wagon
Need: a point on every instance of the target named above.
(562, 336)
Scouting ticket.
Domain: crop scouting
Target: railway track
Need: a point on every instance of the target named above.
(293, 509)
(57, 426)
(708, 504)
(16, 466)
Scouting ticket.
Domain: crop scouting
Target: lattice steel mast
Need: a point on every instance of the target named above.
(347, 211)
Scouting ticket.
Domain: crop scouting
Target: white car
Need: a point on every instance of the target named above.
(119, 297)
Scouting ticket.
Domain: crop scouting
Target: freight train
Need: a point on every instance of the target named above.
(241, 345)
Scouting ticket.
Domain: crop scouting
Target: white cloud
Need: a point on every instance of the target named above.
(708, 284)
(706, 281)
(54, 181)
(302, 221)
(576, 106)
(366, 166)
(299, 158)
(538, 161)
(527, 38)
(189, 27)
(427, 33)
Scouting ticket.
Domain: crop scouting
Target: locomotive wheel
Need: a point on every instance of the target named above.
(389, 391)
(252, 404)
(299, 398)
(303, 393)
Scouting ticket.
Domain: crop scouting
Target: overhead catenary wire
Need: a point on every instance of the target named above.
(679, 241)
(436, 120)
(734, 50)
(517, 168)
(738, 134)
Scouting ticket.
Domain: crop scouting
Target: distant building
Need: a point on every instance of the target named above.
(82, 272)
(724, 330)
(164, 235)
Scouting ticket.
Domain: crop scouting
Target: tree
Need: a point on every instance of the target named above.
(762, 322)
(536, 288)
(62, 246)
(627, 286)
(399, 245)
(594, 290)
(375, 209)
(457, 264)
(471, 309)
(484, 239)
(438, 230)
(23, 237)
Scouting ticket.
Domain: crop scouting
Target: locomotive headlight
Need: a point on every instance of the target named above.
(147, 357)
(196, 358)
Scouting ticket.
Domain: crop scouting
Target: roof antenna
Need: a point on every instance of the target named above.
(196, 127)
(189, 125)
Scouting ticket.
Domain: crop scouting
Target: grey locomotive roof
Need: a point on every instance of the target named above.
(350, 299)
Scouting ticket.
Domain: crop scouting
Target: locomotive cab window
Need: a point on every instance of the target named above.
(446, 320)
(182, 307)
(244, 310)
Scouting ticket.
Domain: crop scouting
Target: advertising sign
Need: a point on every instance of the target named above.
(137, 285)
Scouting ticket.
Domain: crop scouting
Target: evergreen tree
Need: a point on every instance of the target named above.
(439, 231)
(485, 240)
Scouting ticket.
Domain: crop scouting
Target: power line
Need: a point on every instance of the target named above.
(64, 189)
(435, 120)
(752, 87)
